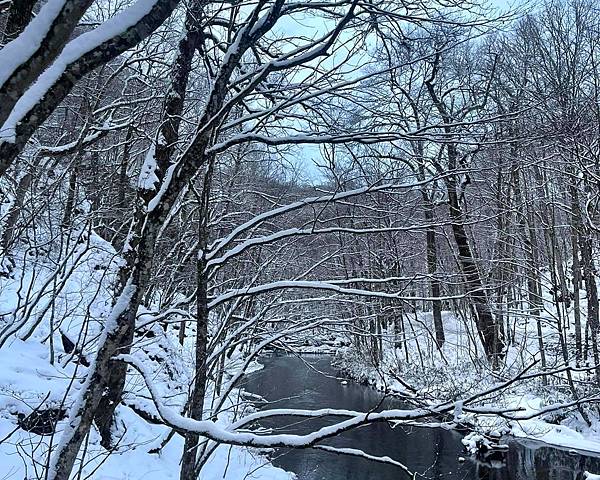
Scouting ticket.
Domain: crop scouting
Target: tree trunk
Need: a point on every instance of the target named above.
(8, 235)
(591, 289)
(489, 332)
(106, 379)
(98, 382)
(589, 274)
(526, 225)
(434, 281)
(493, 344)
(188, 459)
(576, 272)
(190, 449)
(164, 151)
(72, 190)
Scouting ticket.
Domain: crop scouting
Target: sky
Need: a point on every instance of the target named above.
(306, 158)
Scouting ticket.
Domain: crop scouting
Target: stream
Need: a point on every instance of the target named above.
(287, 382)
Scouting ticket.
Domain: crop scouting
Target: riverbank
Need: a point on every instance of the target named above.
(28, 380)
(40, 378)
(416, 368)
(311, 382)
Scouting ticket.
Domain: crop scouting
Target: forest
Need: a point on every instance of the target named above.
(273, 239)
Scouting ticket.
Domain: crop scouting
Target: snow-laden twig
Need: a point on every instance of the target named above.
(321, 285)
(354, 452)
(305, 202)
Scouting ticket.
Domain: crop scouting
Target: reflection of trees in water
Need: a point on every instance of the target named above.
(433, 452)
(522, 463)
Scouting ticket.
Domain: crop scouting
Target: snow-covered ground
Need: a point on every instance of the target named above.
(37, 372)
(456, 372)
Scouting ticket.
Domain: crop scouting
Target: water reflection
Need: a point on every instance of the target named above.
(542, 463)
(432, 452)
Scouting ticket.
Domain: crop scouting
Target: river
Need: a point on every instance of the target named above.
(311, 382)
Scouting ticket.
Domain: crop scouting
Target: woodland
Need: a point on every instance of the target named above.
(411, 186)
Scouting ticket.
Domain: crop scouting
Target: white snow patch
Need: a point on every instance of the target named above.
(148, 179)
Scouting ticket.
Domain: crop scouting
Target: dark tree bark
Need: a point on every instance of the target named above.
(491, 339)
(12, 218)
(19, 15)
(576, 229)
(432, 267)
(71, 193)
(164, 151)
(489, 331)
(188, 460)
(589, 275)
(105, 380)
(48, 49)
(526, 226)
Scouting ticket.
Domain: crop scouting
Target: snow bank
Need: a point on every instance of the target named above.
(416, 368)
(38, 373)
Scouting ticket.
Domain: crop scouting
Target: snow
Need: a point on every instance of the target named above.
(17, 52)
(29, 380)
(458, 411)
(476, 443)
(79, 292)
(534, 411)
(120, 306)
(148, 179)
(153, 203)
(74, 50)
(552, 434)
(473, 442)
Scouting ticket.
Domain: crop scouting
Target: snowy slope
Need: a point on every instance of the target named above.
(36, 373)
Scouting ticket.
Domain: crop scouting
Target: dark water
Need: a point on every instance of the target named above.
(431, 452)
